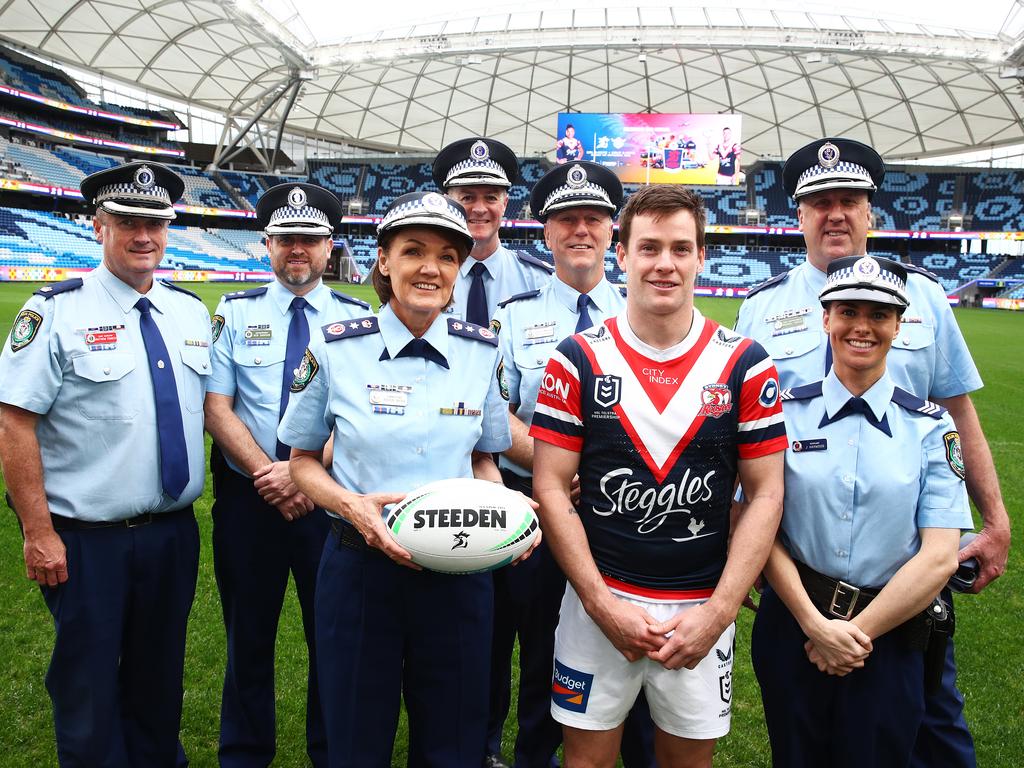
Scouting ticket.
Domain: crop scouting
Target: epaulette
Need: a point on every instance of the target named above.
(179, 289)
(920, 271)
(518, 296)
(349, 299)
(776, 280)
(915, 404)
(347, 329)
(62, 287)
(803, 392)
(533, 261)
(472, 331)
(245, 294)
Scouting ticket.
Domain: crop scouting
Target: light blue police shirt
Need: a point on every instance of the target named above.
(855, 497)
(928, 358)
(530, 327)
(85, 372)
(250, 339)
(398, 422)
(508, 273)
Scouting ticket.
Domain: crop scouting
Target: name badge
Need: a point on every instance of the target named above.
(540, 331)
(102, 337)
(785, 325)
(258, 335)
(383, 397)
(813, 444)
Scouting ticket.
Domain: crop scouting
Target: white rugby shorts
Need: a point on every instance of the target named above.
(594, 686)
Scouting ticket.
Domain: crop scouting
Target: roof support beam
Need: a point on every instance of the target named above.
(263, 103)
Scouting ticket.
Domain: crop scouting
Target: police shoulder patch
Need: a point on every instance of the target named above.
(349, 329)
(472, 331)
(216, 326)
(954, 454)
(49, 291)
(349, 299)
(502, 381)
(252, 292)
(26, 326)
(305, 373)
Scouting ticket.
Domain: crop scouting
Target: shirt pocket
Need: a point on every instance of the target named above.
(914, 336)
(261, 369)
(195, 371)
(99, 385)
(793, 346)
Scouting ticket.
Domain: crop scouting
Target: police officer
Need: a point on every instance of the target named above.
(101, 439)
(477, 172)
(576, 203)
(874, 504)
(411, 396)
(832, 181)
(264, 527)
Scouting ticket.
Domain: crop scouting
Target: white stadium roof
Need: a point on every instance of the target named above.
(910, 88)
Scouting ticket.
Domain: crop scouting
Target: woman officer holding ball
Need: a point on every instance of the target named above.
(411, 397)
(874, 504)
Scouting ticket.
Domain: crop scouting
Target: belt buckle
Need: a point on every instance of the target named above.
(842, 592)
(138, 520)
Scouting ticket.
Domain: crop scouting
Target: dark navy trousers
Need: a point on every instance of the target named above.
(254, 550)
(115, 677)
(527, 598)
(943, 739)
(388, 632)
(867, 718)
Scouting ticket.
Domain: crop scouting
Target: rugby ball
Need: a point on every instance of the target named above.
(463, 525)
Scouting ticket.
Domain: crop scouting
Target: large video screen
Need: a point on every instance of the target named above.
(655, 149)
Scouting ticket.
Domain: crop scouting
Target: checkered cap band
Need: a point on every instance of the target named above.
(569, 197)
(415, 212)
(132, 194)
(472, 171)
(286, 219)
(843, 176)
(849, 279)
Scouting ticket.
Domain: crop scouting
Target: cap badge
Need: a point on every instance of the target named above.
(297, 197)
(576, 177)
(144, 177)
(866, 268)
(434, 202)
(828, 155)
(479, 151)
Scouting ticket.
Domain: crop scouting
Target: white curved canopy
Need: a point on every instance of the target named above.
(909, 89)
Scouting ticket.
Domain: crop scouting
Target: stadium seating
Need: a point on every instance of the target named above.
(200, 189)
(248, 185)
(994, 200)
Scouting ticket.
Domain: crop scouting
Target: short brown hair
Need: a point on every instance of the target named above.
(382, 283)
(658, 200)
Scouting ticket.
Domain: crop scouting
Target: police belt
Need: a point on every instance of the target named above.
(523, 484)
(62, 523)
(349, 536)
(836, 599)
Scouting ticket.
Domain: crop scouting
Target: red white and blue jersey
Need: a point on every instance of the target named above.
(659, 433)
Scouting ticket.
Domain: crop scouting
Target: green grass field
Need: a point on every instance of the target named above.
(988, 636)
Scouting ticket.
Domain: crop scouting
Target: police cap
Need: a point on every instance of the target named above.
(142, 189)
(474, 161)
(865, 278)
(572, 185)
(427, 209)
(832, 164)
(298, 209)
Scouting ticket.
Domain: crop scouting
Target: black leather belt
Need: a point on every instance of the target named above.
(61, 523)
(834, 598)
(349, 536)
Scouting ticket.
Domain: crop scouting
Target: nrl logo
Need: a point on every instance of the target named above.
(607, 391)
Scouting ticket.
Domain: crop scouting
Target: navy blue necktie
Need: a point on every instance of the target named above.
(170, 432)
(581, 307)
(476, 305)
(857, 405)
(298, 340)
(422, 348)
